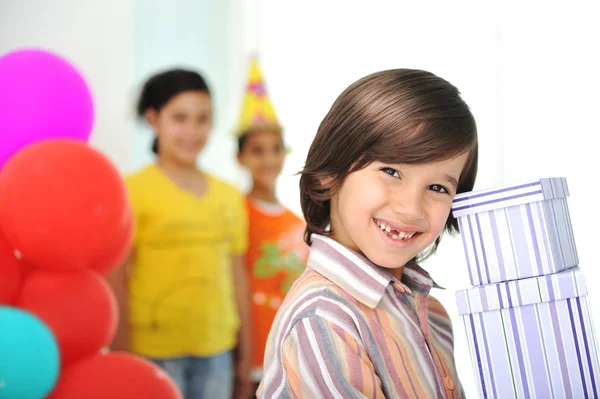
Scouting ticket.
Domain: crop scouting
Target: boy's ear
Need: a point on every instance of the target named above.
(240, 159)
(151, 117)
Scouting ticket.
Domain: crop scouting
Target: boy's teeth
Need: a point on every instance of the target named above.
(400, 236)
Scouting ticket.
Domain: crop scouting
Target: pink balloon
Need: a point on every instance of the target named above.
(41, 96)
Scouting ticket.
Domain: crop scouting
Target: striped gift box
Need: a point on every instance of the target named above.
(516, 231)
(532, 338)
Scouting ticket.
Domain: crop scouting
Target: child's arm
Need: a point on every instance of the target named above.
(323, 360)
(119, 282)
(244, 350)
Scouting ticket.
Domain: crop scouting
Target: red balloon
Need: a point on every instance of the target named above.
(105, 265)
(27, 268)
(10, 274)
(114, 375)
(64, 206)
(78, 307)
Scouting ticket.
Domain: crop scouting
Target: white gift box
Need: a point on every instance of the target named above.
(516, 231)
(532, 338)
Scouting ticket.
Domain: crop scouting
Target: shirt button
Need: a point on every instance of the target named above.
(400, 287)
(449, 383)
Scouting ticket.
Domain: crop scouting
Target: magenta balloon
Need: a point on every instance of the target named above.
(41, 96)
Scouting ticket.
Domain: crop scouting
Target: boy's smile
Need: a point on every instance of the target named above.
(392, 212)
(396, 230)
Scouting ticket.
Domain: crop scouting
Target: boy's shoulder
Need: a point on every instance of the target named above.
(313, 294)
(437, 308)
(292, 215)
(278, 210)
(314, 282)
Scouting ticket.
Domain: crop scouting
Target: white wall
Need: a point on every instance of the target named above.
(117, 44)
(97, 37)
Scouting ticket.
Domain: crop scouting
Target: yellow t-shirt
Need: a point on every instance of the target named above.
(181, 291)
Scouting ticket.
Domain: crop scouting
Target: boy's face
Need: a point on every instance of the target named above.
(182, 126)
(263, 155)
(392, 212)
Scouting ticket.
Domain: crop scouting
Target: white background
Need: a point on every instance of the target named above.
(529, 71)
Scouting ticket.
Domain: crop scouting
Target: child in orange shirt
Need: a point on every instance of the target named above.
(276, 250)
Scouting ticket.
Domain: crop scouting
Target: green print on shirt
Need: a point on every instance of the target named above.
(272, 261)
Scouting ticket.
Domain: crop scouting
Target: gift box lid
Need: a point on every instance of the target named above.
(553, 287)
(511, 195)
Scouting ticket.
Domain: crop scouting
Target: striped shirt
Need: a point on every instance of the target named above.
(348, 329)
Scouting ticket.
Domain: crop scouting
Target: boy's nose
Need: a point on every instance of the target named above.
(409, 205)
(270, 158)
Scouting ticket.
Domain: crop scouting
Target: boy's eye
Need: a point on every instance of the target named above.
(179, 117)
(439, 188)
(203, 119)
(391, 172)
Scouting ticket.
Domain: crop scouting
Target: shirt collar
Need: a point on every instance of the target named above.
(360, 277)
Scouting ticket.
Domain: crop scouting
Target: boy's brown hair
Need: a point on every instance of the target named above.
(395, 116)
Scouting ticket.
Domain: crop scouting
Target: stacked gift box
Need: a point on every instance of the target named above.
(527, 316)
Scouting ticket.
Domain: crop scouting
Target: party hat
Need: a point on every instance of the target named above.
(257, 110)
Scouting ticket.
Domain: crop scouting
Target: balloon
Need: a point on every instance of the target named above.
(78, 307)
(29, 360)
(64, 206)
(10, 274)
(116, 376)
(26, 268)
(121, 238)
(41, 96)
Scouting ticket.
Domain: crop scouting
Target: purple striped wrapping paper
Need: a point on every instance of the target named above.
(516, 231)
(532, 338)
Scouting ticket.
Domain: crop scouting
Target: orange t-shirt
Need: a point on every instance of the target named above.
(276, 257)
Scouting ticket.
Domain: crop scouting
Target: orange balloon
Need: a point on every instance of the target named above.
(64, 206)
(78, 307)
(114, 375)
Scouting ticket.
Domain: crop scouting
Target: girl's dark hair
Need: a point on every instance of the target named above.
(396, 116)
(162, 87)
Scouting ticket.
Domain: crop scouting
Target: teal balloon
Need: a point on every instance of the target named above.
(29, 356)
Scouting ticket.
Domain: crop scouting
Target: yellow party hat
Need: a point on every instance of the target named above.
(257, 110)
